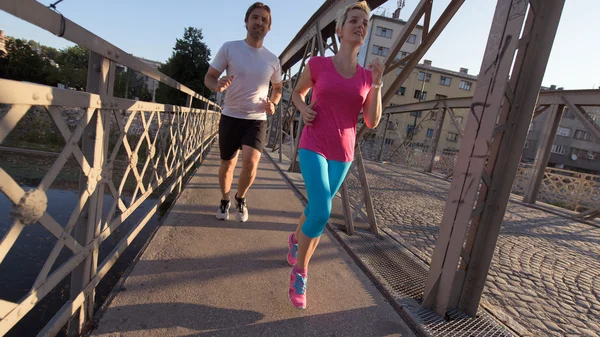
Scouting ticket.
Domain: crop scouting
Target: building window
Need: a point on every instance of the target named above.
(420, 95)
(412, 39)
(582, 135)
(429, 133)
(565, 132)
(403, 54)
(389, 141)
(410, 129)
(381, 51)
(452, 137)
(449, 152)
(385, 32)
(401, 91)
(591, 155)
(391, 125)
(445, 80)
(464, 85)
(423, 75)
(558, 149)
(415, 113)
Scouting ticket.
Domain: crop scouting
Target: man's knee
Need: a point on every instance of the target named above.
(227, 165)
(251, 164)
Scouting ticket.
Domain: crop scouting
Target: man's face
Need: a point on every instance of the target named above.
(258, 23)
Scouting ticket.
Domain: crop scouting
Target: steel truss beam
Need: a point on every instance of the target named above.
(479, 193)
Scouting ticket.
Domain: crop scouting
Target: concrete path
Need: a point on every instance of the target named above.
(204, 277)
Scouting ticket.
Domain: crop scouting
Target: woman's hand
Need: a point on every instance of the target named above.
(308, 115)
(377, 68)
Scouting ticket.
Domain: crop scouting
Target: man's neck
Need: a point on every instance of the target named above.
(254, 42)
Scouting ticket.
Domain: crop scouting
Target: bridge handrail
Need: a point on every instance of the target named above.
(45, 18)
(129, 149)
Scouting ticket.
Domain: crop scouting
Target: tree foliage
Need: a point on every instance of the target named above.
(31, 62)
(22, 63)
(188, 64)
(73, 64)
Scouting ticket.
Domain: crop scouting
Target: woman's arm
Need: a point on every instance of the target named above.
(372, 105)
(299, 97)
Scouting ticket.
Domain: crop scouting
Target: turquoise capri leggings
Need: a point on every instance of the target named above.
(322, 178)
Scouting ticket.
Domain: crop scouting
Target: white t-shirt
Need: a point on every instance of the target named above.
(252, 69)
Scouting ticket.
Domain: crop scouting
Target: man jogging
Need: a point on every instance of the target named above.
(250, 67)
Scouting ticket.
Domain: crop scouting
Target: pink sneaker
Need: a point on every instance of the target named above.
(297, 292)
(292, 255)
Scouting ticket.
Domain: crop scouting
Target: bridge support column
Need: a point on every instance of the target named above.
(100, 80)
(497, 126)
(543, 153)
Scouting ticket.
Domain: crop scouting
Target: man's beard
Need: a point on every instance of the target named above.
(257, 33)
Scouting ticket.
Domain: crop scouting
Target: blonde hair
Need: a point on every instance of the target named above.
(343, 15)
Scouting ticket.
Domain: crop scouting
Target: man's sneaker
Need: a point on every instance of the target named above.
(242, 209)
(223, 211)
(292, 256)
(297, 292)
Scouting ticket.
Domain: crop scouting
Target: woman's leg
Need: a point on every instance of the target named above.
(314, 169)
(336, 173)
(314, 173)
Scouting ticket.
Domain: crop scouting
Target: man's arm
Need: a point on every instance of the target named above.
(276, 92)
(214, 83)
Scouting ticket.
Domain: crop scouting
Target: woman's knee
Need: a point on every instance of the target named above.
(316, 221)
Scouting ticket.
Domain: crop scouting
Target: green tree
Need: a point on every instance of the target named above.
(188, 64)
(131, 85)
(50, 52)
(22, 63)
(73, 62)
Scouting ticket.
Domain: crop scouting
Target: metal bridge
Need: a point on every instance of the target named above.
(140, 152)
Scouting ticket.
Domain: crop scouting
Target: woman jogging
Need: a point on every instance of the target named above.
(341, 89)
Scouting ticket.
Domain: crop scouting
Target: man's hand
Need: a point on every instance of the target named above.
(223, 83)
(269, 106)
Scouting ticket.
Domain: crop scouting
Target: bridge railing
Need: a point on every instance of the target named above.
(131, 152)
(568, 189)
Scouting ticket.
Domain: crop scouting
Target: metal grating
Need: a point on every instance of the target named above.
(404, 276)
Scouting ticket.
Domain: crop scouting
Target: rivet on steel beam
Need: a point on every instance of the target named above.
(117, 54)
(49, 96)
(109, 52)
(36, 96)
(99, 102)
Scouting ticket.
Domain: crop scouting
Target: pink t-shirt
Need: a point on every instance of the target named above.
(339, 101)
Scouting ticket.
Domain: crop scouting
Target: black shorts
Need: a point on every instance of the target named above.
(235, 132)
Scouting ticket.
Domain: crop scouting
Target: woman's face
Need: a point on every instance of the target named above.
(354, 29)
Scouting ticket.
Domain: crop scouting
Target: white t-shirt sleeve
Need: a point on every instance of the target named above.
(276, 77)
(220, 61)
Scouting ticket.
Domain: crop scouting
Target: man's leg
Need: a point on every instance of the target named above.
(229, 143)
(253, 141)
(250, 159)
(226, 176)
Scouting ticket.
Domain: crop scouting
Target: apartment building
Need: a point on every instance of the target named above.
(574, 148)
(426, 82)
